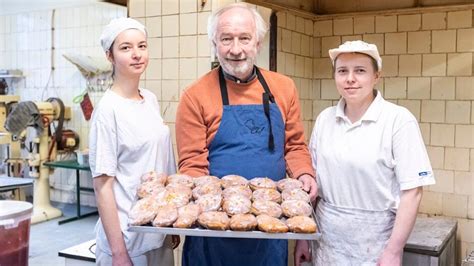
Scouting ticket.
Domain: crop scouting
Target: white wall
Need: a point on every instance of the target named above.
(34, 42)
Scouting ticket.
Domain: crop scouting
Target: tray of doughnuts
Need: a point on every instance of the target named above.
(231, 206)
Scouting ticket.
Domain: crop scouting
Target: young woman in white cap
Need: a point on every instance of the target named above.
(371, 164)
(127, 138)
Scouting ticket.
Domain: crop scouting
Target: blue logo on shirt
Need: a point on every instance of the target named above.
(424, 173)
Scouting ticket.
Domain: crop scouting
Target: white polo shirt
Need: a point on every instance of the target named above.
(365, 165)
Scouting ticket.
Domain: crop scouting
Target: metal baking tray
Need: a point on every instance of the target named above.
(199, 231)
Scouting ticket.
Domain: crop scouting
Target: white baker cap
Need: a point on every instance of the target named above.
(357, 47)
(115, 27)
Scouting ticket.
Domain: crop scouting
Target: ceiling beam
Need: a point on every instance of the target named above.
(117, 2)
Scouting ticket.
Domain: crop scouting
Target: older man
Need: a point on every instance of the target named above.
(240, 119)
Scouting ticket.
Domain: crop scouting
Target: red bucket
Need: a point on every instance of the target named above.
(15, 219)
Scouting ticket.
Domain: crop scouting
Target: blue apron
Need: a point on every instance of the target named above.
(250, 142)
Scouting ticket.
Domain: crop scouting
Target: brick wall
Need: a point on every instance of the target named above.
(428, 68)
(295, 53)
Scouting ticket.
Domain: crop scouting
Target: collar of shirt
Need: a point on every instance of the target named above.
(234, 79)
(372, 113)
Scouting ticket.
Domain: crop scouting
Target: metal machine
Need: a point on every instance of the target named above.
(14, 161)
(42, 148)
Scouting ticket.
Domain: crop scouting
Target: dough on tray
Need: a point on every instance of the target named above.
(237, 190)
(262, 182)
(179, 195)
(243, 222)
(267, 194)
(214, 220)
(301, 224)
(269, 224)
(165, 216)
(154, 176)
(289, 184)
(180, 179)
(296, 208)
(236, 204)
(206, 179)
(266, 207)
(143, 212)
(149, 188)
(233, 180)
(210, 202)
(187, 216)
(207, 188)
(295, 194)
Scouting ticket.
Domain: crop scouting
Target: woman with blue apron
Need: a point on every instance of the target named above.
(250, 143)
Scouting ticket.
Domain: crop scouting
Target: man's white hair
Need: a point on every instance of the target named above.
(260, 24)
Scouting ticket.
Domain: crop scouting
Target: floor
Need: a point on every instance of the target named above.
(48, 238)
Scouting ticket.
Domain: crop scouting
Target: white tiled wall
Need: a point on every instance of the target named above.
(34, 42)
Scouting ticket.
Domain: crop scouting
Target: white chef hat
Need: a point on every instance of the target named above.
(357, 47)
(115, 27)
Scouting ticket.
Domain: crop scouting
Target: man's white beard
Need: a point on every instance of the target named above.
(244, 68)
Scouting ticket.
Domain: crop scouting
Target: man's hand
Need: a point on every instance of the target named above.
(309, 185)
(302, 252)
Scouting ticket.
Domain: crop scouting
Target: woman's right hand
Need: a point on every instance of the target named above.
(302, 252)
(121, 259)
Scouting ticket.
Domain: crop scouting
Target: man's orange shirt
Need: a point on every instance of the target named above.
(199, 115)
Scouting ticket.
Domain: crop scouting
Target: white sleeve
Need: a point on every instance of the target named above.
(312, 143)
(103, 144)
(412, 165)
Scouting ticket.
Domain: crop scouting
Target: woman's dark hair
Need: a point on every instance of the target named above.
(112, 53)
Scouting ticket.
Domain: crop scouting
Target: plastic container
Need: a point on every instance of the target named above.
(15, 219)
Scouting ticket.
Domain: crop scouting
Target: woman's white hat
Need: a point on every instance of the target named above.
(357, 47)
(115, 27)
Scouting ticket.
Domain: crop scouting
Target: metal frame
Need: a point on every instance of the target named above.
(78, 167)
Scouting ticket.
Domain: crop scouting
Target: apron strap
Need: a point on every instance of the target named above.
(266, 109)
(223, 87)
(265, 85)
(267, 97)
